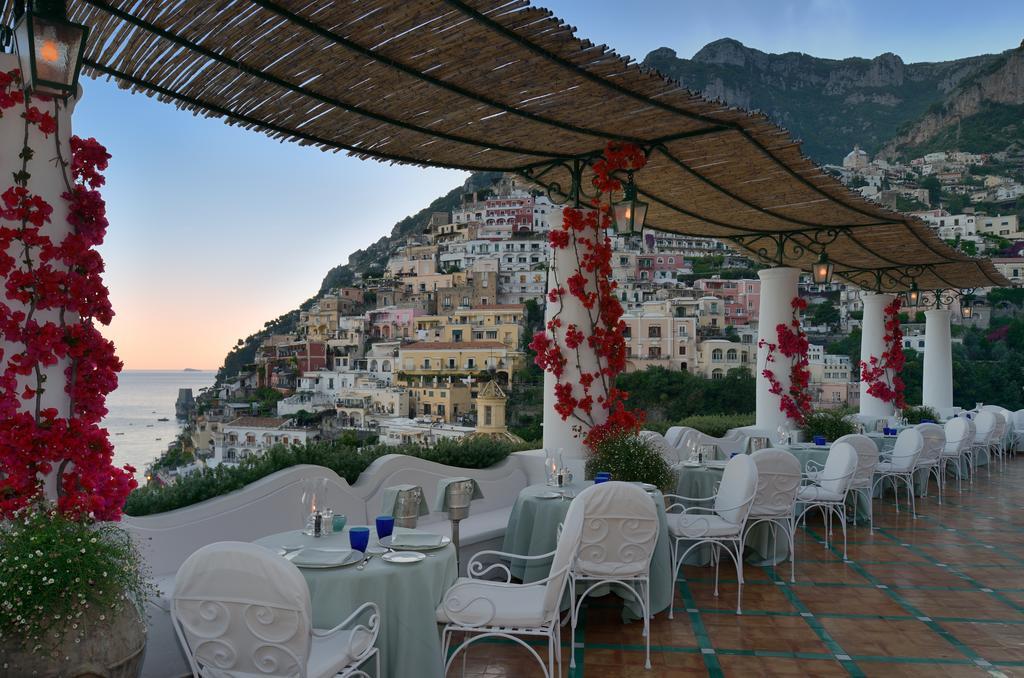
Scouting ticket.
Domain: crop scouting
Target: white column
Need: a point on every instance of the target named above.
(778, 288)
(47, 181)
(937, 389)
(872, 344)
(568, 434)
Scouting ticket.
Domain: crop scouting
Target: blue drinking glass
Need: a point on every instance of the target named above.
(601, 479)
(603, 474)
(359, 538)
(819, 440)
(385, 526)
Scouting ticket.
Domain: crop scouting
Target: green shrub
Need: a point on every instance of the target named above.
(717, 425)
(915, 415)
(833, 424)
(630, 458)
(338, 455)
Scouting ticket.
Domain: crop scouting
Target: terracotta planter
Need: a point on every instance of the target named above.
(111, 648)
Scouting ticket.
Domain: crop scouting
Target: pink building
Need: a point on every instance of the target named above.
(661, 267)
(742, 298)
(393, 323)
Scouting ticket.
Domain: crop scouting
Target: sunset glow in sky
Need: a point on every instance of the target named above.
(214, 230)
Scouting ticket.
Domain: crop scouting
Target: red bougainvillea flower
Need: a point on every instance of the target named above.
(584, 232)
(65, 275)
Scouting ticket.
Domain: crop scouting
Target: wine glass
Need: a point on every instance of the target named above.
(783, 433)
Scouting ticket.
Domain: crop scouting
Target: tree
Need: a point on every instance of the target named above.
(931, 182)
(825, 314)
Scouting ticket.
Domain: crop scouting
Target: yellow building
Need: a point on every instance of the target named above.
(494, 322)
(490, 414)
(430, 359)
(443, 400)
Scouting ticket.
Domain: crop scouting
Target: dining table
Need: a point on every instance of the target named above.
(533, 530)
(407, 595)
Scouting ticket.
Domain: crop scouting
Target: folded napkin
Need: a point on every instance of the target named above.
(317, 556)
(413, 538)
(390, 497)
(441, 502)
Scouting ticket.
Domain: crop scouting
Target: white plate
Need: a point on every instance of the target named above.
(692, 464)
(293, 547)
(321, 558)
(548, 495)
(402, 557)
(386, 543)
(715, 464)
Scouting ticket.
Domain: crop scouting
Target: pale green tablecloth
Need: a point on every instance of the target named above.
(532, 530)
(407, 595)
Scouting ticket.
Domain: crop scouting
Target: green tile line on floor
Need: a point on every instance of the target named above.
(811, 620)
(899, 600)
(707, 650)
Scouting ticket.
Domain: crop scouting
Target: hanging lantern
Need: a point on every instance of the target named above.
(822, 270)
(914, 295)
(50, 49)
(966, 307)
(630, 213)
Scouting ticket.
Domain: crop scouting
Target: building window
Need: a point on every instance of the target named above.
(654, 332)
(627, 332)
(426, 363)
(488, 416)
(654, 352)
(682, 350)
(717, 374)
(716, 355)
(731, 355)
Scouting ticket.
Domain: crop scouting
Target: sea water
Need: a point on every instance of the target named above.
(141, 399)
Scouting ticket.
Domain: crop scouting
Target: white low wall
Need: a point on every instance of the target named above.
(273, 504)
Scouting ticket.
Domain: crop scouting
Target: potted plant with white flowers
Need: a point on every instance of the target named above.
(71, 597)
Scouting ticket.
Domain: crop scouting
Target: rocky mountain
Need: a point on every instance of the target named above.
(983, 113)
(830, 104)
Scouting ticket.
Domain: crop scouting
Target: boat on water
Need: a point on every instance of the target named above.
(163, 419)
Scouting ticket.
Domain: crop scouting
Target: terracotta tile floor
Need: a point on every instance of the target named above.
(942, 595)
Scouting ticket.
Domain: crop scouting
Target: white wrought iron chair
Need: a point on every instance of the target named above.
(1018, 431)
(898, 465)
(985, 429)
(720, 525)
(620, 531)
(930, 459)
(778, 479)
(863, 478)
(485, 608)
(957, 448)
(999, 436)
(240, 610)
(828, 492)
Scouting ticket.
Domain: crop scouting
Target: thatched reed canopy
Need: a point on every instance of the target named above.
(503, 85)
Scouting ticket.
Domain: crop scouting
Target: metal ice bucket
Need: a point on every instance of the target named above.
(460, 494)
(708, 451)
(755, 443)
(407, 507)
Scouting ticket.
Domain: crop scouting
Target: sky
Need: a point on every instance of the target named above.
(214, 229)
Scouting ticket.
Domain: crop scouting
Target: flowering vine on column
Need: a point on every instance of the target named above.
(65, 278)
(585, 232)
(882, 373)
(794, 402)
